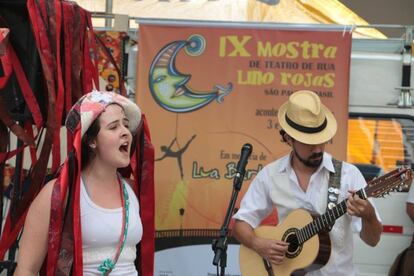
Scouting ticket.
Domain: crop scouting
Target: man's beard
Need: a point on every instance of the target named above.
(309, 162)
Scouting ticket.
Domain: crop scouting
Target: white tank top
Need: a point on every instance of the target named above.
(101, 229)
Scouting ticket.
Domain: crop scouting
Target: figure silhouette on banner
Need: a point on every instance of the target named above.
(168, 152)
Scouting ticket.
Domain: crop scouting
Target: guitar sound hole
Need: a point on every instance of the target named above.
(294, 248)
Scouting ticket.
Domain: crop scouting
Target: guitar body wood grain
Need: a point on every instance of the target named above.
(311, 255)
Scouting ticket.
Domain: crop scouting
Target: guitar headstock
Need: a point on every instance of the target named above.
(395, 180)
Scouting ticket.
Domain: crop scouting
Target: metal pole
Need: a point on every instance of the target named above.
(108, 9)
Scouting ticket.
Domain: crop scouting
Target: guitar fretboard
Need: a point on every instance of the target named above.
(324, 221)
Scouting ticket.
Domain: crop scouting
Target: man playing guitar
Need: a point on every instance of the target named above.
(301, 180)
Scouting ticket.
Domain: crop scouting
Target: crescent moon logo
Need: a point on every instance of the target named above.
(169, 87)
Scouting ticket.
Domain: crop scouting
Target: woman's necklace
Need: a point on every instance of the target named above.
(109, 264)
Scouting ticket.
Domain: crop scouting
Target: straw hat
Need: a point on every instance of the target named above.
(89, 106)
(306, 119)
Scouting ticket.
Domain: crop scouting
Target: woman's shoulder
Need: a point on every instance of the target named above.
(41, 203)
(46, 191)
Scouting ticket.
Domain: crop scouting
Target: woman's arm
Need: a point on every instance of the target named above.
(34, 242)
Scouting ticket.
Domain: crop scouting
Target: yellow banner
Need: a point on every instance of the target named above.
(208, 90)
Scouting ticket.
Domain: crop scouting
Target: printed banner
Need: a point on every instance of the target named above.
(115, 46)
(207, 91)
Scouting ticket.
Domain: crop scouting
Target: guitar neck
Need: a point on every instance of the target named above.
(325, 221)
(376, 188)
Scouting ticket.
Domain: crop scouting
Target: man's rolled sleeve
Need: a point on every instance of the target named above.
(256, 203)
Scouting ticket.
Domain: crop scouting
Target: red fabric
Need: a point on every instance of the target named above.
(7, 68)
(39, 169)
(4, 58)
(90, 80)
(143, 170)
(25, 88)
(55, 225)
(38, 15)
(29, 129)
(4, 156)
(143, 174)
(10, 233)
(81, 75)
(12, 125)
(77, 230)
(94, 58)
(59, 195)
(16, 219)
(57, 20)
(46, 20)
(7, 155)
(68, 16)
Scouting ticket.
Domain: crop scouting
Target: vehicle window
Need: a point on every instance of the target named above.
(378, 145)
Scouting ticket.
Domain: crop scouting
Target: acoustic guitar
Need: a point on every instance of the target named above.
(308, 236)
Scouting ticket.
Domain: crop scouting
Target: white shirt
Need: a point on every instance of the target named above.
(257, 204)
(410, 198)
(101, 229)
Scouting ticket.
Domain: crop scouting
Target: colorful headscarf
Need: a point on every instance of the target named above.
(65, 235)
(91, 105)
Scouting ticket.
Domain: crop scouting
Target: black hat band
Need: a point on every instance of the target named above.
(306, 129)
